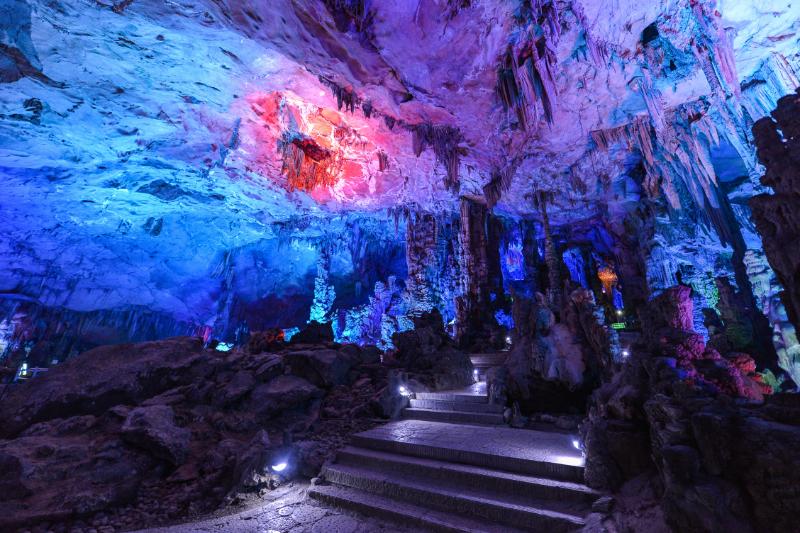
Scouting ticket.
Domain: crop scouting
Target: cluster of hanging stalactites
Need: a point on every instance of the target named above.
(445, 143)
(307, 165)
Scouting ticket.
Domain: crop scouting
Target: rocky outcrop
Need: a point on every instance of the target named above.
(138, 434)
(429, 355)
(554, 365)
(683, 410)
(545, 365)
(153, 428)
(102, 378)
(586, 321)
(776, 216)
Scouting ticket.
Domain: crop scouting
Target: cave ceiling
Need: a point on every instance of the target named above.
(227, 123)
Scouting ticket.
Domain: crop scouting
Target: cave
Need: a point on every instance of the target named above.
(357, 266)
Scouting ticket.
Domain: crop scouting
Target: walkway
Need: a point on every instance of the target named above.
(451, 465)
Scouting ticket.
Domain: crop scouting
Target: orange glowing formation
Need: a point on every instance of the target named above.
(608, 278)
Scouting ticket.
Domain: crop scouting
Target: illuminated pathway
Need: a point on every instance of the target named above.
(465, 476)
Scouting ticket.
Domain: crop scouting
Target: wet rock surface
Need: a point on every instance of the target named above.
(128, 436)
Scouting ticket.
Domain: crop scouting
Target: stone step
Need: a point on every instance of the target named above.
(455, 417)
(552, 515)
(452, 397)
(496, 481)
(403, 513)
(488, 360)
(446, 405)
(521, 451)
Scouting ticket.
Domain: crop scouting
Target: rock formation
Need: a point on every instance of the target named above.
(231, 230)
(698, 416)
(134, 435)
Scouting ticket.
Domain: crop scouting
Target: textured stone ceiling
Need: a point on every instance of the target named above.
(164, 85)
(216, 124)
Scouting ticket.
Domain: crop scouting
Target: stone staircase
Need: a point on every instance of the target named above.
(462, 472)
(470, 406)
(484, 361)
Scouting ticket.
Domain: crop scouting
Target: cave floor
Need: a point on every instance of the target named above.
(291, 512)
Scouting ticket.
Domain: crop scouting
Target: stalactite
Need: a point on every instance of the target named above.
(454, 7)
(366, 107)
(675, 159)
(761, 91)
(652, 98)
(225, 272)
(527, 73)
(714, 53)
(598, 50)
(445, 143)
(353, 16)
(346, 98)
(305, 164)
(508, 91)
(498, 184)
(383, 161)
(50, 334)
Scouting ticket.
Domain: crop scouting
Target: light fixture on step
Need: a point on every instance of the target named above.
(279, 472)
(404, 391)
(576, 444)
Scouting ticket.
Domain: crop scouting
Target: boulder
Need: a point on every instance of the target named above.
(324, 368)
(11, 485)
(153, 428)
(269, 366)
(101, 378)
(429, 355)
(239, 385)
(251, 462)
(282, 393)
(672, 308)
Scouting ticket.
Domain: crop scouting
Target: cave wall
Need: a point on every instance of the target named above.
(775, 214)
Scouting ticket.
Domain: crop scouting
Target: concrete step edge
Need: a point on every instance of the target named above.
(432, 468)
(507, 464)
(448, 396)
(403, 513)
(467, 407)
(458, 417)
(449, 499)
